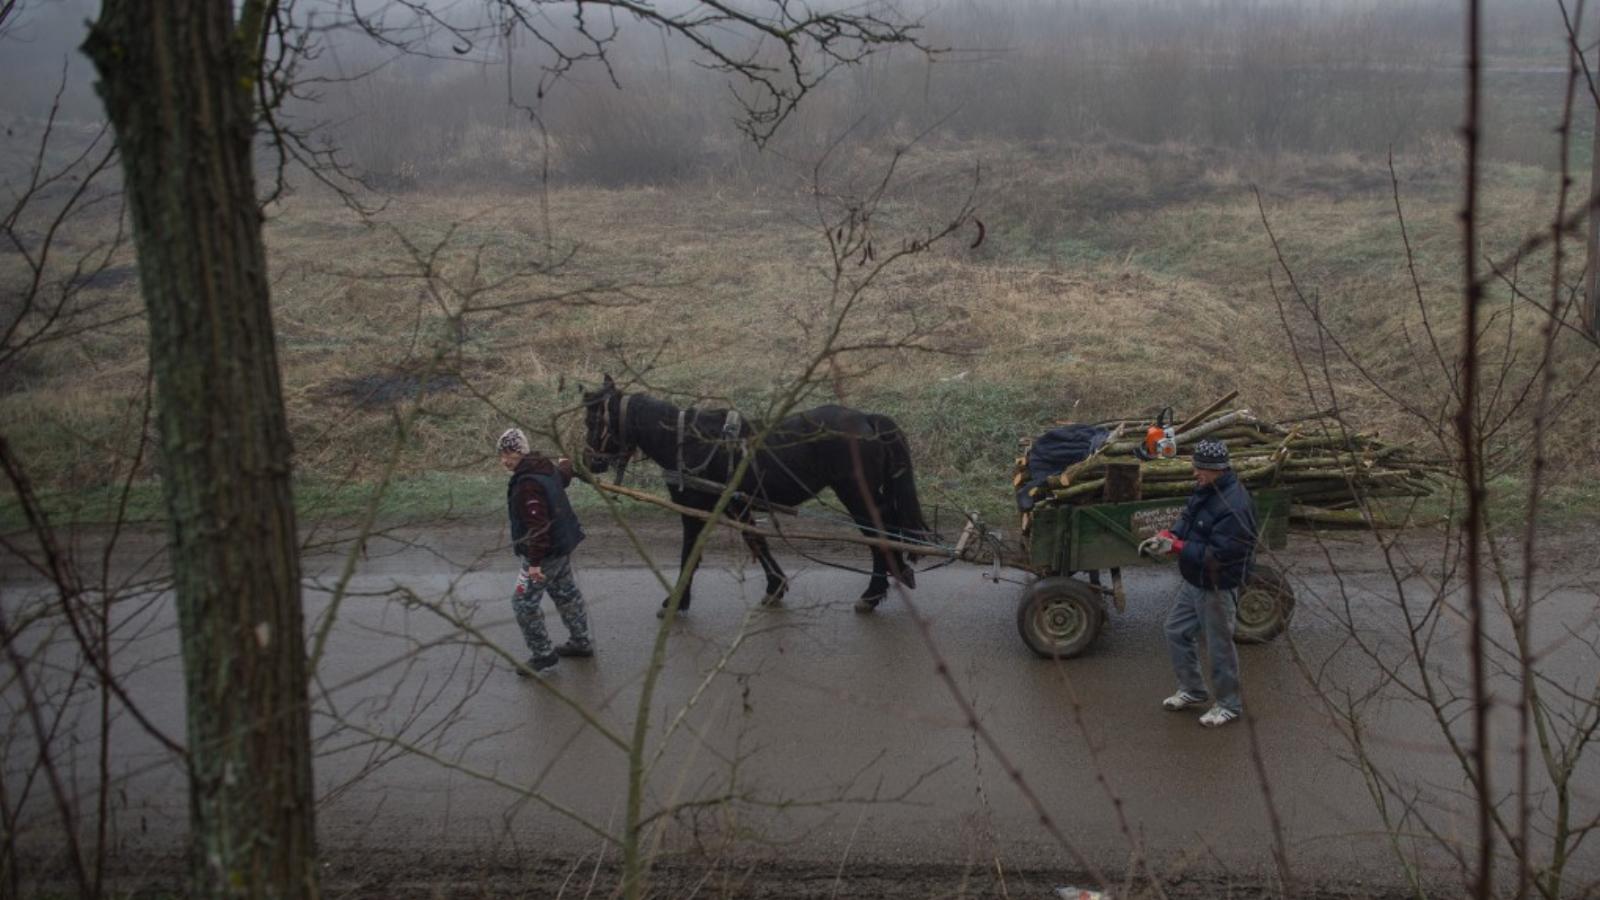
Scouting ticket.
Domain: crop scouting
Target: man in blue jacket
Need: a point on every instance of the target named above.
(544, 532)
(1215, 539)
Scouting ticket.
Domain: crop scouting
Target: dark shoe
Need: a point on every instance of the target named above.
(868, 604)
(573, 648)
(538, 666)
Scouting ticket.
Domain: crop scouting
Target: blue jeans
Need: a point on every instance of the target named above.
(1197, 614)
(557, 571)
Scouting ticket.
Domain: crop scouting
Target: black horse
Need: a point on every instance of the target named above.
(862, 456)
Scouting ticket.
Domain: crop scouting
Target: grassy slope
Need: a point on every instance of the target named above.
(1115, 280)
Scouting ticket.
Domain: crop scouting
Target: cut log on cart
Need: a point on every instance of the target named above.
(1321, 467)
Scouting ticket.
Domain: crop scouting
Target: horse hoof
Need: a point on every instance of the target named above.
(771, 602)
(662, 613)
(868, 604)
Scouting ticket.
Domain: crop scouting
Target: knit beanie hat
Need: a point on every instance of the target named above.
(514, 441)
(1210, 455)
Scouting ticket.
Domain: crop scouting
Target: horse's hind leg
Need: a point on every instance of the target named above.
(878, 586)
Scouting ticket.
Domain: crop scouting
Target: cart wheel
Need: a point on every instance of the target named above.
(1059, 616)
(1266, 603)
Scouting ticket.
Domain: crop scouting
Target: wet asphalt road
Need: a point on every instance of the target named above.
(832, 732)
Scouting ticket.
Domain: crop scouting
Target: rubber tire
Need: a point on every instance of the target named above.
(1266, 604)
(1059, 617)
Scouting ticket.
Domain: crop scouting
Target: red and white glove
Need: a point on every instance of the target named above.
(1161, 544)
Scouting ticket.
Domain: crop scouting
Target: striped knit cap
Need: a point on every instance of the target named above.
(514, 441)
(1210, 455)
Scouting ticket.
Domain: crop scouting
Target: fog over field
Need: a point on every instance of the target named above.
(1246, 75)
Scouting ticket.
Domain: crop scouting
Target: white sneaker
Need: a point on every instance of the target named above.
(1216, 717)
(1181, 701)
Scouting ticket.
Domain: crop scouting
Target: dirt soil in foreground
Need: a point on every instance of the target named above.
(415, 876)
(776, 879)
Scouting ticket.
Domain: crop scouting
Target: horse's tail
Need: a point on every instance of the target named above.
(898, 494)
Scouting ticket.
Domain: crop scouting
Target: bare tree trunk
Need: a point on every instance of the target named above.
(178, 78)
(1590, 312)
(1472, 473)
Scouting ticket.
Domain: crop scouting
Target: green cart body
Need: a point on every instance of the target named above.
(1060, 615)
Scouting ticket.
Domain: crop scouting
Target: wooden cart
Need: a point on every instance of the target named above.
(1060, 614)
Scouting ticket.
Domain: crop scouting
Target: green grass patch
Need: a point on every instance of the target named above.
(424, 497)
(1565, 504)
(90, 506)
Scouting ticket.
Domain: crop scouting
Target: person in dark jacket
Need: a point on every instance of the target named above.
(544, 532)
(1215, 539)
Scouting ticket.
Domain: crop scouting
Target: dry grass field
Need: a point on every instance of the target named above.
(1115, 279)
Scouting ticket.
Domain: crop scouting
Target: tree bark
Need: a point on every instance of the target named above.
(1590, 312)
(178, 82)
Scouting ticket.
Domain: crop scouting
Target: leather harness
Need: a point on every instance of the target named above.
(731, 428)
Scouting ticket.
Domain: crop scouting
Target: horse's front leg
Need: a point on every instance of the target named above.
(692, 527)
(777, 582)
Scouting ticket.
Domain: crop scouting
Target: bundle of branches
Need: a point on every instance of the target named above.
(1330, 473)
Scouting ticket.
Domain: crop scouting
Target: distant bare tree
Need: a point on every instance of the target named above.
(1590, 312)
(48, 301)
(1473, 625)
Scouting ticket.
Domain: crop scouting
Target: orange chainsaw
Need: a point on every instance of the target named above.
(1160, 439)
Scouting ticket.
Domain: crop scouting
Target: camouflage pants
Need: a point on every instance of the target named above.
(557, 571)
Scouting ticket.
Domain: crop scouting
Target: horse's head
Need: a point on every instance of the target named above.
(605, 441)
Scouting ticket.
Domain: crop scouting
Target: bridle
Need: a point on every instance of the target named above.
(619, 458)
